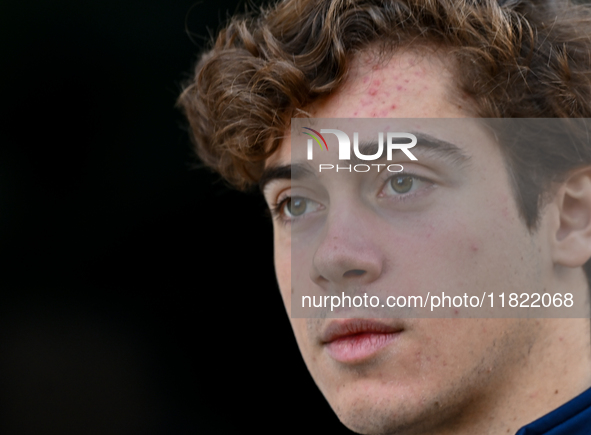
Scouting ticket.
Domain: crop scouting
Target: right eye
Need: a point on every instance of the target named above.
(292, 208)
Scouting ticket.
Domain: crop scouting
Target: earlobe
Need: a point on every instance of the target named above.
(572, 240)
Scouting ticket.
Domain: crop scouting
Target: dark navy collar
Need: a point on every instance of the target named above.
(572, 418)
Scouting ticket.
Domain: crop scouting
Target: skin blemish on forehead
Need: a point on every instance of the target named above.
(384, 92)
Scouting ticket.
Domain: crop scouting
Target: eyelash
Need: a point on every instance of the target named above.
(278, 213)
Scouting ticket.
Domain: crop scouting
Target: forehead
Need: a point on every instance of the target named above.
(411, 84)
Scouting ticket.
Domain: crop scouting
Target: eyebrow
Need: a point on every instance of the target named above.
(291, 171)
(428, 144)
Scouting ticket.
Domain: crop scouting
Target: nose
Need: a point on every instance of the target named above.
(349, 251)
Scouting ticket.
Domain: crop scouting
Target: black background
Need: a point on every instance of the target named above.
(137, 293)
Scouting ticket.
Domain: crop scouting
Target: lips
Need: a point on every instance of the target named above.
(357, 340)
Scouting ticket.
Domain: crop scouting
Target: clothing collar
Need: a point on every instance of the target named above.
(572, 418)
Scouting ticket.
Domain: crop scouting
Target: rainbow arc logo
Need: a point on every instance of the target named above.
(316, 138)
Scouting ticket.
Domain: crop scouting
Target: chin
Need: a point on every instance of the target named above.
(381, 407)
(371, 419)
(373, 407)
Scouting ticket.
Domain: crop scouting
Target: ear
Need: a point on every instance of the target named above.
(572, 241)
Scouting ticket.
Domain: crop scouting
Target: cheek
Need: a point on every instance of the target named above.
(455, 348)
(460, 251)
(435, 263)
(282, 248)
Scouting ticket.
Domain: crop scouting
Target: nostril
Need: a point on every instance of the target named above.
(353, 272)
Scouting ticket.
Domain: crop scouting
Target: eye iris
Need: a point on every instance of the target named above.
(402, 184)
(296, 206)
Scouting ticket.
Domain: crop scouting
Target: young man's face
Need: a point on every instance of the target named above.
(457, 227)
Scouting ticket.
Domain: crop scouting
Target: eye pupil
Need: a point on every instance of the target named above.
(402, 184)
(296, 206)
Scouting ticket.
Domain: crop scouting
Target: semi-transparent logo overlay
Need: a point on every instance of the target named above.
(437, 218)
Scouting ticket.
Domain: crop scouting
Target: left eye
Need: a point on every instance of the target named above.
(403, 184)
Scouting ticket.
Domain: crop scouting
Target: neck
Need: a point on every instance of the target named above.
(556, 369)
(553, 370)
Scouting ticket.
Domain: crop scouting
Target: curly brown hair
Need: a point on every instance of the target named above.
(518, 59)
